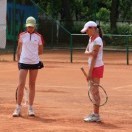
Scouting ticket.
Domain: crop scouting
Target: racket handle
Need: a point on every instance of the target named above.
(84, 72)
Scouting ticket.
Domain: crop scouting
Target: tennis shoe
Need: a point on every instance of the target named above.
(92, 118)
(31, 111)
(17, 112)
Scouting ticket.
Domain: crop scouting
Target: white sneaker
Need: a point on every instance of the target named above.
(92, 118)
(31, 111)
(17, 112)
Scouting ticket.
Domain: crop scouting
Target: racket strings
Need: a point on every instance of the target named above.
(97, 94)
(94, 94)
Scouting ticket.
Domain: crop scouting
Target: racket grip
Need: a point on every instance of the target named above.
(85, 74)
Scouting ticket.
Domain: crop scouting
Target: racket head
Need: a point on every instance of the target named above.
(97, 94)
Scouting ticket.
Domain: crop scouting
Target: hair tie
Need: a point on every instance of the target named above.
(98, 26)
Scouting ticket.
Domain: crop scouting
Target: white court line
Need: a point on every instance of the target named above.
(44, 86)
(8, 70)
(121, 87)
(65, 86)
(59, 86)
(119, 112)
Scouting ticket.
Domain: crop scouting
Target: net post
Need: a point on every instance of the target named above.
(71, 49)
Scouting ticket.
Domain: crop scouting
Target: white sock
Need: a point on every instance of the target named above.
(18, 106)
(30, 107)
(96, 114)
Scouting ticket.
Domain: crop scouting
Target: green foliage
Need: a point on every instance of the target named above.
(103, 14)
(106, 28)
(125, 10)
(85, 10)
(124, 28)
(107, 3)
(77, 27)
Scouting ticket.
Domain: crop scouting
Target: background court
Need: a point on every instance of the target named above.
(61, 99)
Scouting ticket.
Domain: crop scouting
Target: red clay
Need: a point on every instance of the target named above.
(61, 100)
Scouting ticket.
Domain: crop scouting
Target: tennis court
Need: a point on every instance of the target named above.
(61, 100)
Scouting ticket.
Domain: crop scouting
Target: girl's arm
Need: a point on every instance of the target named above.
(87, 51)
(41, 45)
(40, 49)
(18, 51)
(94, 54)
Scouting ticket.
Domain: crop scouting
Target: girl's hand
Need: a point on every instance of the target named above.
(88, 53)
(89, 77)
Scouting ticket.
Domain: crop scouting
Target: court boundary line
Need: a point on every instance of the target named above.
(64, 86)
(121, 87)
(52, 86)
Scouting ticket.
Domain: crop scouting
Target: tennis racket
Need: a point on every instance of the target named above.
(96, 92)
(25, 96)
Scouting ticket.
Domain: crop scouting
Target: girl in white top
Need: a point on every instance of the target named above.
(94, 51)
(30, 46)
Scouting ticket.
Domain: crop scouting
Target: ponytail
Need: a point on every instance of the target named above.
(100, 31)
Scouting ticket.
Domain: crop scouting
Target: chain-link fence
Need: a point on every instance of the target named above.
(117, 48)
(60, 44)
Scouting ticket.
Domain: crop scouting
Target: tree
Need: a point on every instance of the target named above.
(114, 14)
(66, 14)
(125, 10)
(69, 10)
(103, 14)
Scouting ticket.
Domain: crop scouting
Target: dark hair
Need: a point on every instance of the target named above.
(100, 31)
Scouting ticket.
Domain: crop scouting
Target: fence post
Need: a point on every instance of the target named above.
(71, 49)
(14, 29)
(127, 51)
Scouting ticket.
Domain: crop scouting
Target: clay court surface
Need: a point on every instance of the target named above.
(61, 100)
